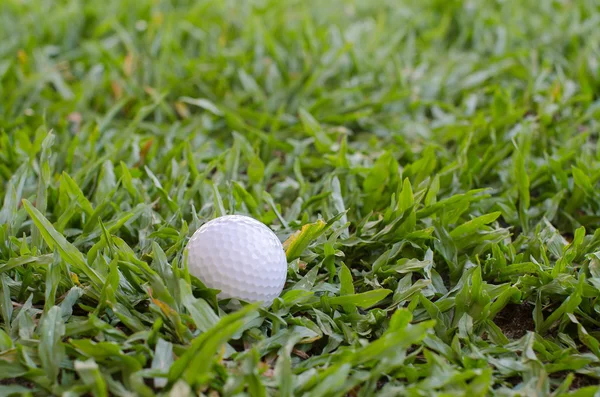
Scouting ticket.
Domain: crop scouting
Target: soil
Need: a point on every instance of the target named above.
(515, 320)
(17, 381)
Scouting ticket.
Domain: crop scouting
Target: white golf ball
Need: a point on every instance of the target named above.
(239, 256)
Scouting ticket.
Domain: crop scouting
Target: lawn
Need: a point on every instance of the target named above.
(432, 167)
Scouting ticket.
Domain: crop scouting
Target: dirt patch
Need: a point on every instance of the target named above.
(17, 381)
(579, 380)
(515, 320)
(582, 381)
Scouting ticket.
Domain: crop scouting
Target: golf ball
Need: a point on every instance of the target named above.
(239, 256)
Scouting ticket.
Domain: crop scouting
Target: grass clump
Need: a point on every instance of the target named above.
(435, 163)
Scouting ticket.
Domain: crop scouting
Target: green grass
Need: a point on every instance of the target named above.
(440, 158)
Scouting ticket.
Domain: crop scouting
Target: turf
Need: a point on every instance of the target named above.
(432, 167)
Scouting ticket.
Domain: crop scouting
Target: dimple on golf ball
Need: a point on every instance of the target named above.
(239, 256)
